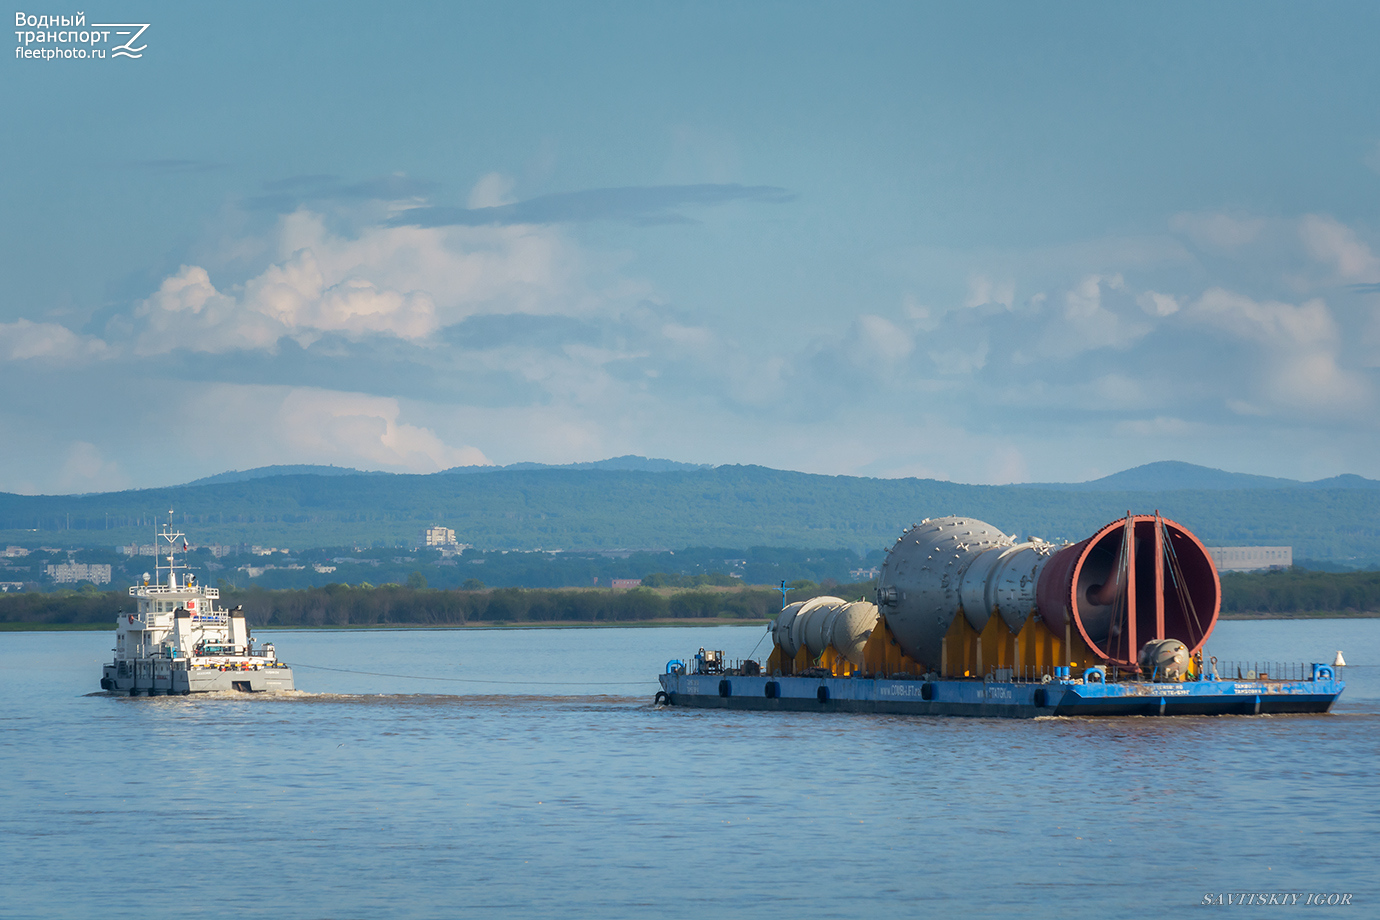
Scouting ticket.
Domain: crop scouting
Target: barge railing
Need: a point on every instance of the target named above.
(1213, 669)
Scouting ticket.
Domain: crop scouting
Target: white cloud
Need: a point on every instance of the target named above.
(23, 340)
(405, 282)
(1299, 365)
(188, 312)
(493, 190)
(1157, 304)
(309, 425)
(1337, 245)
(1086, 323)
(961, 381)
(1268, 322)
(984, 290)
(920, 316)
(876, 337)
(296, 294)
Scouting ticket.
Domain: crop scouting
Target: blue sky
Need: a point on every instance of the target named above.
(986, 243)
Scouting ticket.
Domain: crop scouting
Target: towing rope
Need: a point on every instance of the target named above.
(477, 680)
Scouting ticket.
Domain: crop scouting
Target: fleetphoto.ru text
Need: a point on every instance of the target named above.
(72, 38)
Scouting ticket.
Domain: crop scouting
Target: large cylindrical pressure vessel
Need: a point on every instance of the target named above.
(850, 629)
(815, 621)
(1119, 590)
(782, 632)
(946, 566)
(919, 587)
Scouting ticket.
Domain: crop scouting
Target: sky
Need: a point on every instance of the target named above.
(987, 243)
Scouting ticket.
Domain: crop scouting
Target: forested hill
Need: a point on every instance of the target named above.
(725, 506)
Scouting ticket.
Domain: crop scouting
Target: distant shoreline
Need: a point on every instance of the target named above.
(696, 621)
(375, 627)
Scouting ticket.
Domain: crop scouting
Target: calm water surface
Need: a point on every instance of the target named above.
(532, 778)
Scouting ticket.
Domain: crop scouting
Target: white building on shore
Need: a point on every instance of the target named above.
(69, 573)
(1251, 558)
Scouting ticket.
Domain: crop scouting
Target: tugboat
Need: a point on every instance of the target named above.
(177, 641)
(969, 621)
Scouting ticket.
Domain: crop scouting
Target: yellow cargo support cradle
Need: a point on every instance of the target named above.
(836, 663)
(1034, 650)
(965, 652)
(882, 655)
(787, 666)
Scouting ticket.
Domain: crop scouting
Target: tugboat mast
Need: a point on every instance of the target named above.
(172, 537)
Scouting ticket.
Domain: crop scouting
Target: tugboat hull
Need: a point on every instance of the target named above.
(150, 681)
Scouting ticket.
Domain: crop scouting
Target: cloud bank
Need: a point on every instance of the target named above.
(439, 337)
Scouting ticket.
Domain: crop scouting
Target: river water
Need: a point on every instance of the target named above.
(530, 776)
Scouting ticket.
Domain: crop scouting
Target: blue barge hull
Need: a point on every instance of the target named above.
(989, 699)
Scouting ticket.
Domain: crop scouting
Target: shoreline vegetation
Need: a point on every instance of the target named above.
(398, 606)
(1291, 594)
(8, 627)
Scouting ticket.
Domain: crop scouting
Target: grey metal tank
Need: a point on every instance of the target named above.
(850, 629)
(950, 565)
(824, 622)
(1143, 576)
(783, 632)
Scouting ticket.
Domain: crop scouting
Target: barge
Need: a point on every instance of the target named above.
(968, 621)
(177, 641)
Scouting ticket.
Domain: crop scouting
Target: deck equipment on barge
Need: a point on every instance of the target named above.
(177, 642)
(970, 621)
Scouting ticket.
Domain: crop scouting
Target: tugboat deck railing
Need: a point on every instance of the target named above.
(141, 590)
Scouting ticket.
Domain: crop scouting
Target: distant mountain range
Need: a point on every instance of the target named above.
(1161, 476)
(627, 462)
(292, 469)
(1173, 475)
(605, 507)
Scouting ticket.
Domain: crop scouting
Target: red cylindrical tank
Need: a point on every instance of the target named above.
(1168, 590)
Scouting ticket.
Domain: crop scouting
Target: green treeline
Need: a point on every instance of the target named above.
(341, 605)
(1287, 592)
(1300, 591)
(338, 605)
(61, 608)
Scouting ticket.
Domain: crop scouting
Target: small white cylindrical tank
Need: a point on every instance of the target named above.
(781, 632)
(850, 629)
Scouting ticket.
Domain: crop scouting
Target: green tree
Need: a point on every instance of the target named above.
(416, 581)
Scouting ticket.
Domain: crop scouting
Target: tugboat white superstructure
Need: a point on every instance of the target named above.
(177, 642)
